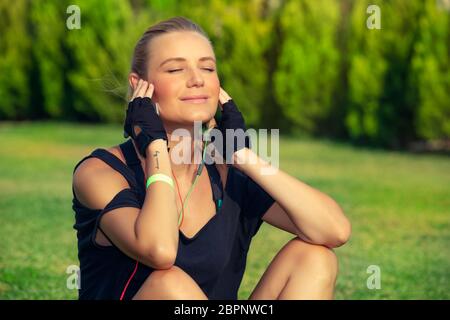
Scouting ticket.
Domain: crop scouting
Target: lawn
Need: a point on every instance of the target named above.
(399, 205)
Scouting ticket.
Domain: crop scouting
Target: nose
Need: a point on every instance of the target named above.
(195, 78)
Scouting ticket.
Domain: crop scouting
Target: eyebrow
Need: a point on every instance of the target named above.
(183, 59)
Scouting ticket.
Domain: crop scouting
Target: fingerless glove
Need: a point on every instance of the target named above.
(141, 112)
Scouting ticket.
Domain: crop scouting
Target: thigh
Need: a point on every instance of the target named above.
(171, 284)
(277, 273)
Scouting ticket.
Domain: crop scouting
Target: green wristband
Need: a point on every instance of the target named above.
(160, 177)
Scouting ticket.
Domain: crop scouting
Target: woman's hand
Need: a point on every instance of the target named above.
(142, 122)
(231, 119)
(223, 98)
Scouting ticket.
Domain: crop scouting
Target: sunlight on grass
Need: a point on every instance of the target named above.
(398, 204)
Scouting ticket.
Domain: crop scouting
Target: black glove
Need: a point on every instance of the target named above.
(232, 119)
(141, 112)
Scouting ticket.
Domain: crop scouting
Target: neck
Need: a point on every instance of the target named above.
(185, 156)
(186, 146)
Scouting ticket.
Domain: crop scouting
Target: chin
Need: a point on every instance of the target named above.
(200, 114)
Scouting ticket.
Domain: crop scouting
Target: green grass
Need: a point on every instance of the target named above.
(398, 204)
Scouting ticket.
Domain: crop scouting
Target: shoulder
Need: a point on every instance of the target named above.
(95, 183)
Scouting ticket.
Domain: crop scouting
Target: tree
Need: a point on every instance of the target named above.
(15, 62)
(430, 73)
(308, 62)
(379, 112)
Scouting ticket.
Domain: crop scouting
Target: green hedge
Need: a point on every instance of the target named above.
(305, 66)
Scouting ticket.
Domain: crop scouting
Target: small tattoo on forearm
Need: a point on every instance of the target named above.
(156, 156)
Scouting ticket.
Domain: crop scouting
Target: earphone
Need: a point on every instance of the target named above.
(197, 175)
(202, 163)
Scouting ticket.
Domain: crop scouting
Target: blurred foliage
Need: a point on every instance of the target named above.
(303, 66)
(430, 73)
(308, 62)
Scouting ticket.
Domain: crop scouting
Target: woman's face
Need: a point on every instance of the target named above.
(182, 65)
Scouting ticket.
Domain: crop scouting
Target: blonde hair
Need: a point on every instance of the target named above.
(141, 52)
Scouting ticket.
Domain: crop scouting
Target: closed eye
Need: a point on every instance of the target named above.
(175, 70)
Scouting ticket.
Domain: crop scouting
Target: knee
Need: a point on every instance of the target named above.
(173, 283)
(174, 279)
(321, 261)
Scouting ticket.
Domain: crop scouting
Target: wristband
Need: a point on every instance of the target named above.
(160, 177)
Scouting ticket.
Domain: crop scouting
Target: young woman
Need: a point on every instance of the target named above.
(143, 235)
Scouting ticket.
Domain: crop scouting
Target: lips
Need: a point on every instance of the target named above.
(195, 99)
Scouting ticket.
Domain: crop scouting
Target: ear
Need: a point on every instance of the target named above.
(133, 79)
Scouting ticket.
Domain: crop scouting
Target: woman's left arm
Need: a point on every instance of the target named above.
(315, 217)
(307, 212)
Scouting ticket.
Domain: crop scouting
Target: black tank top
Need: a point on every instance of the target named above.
(215, 257)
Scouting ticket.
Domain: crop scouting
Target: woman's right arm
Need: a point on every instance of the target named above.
(150, 234)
